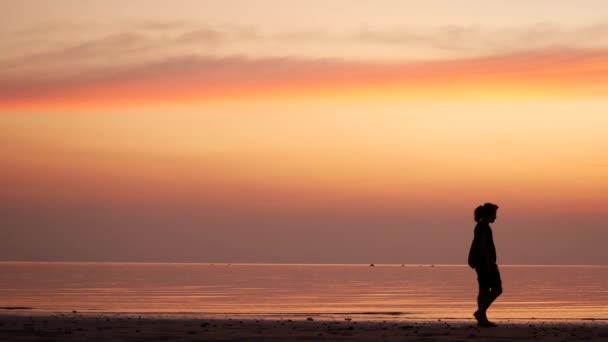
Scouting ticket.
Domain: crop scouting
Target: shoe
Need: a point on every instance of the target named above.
(486, 324)
(482, 320)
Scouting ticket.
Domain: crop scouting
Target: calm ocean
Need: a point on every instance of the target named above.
(325, 291)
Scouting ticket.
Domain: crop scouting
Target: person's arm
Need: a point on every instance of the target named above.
(484, 252)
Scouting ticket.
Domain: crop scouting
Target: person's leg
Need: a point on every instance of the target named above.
(484, 299)
(494, 294)
(496, 285)
(496, 290)
(484, 296)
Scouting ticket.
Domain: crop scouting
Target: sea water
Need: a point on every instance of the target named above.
(287, 290)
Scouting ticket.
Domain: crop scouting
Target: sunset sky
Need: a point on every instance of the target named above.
(288, 131)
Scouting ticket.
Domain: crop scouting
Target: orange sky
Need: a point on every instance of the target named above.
(538, 74)
(260, 135)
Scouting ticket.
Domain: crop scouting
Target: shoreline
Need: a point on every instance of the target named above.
(321, 316)
(77, 326)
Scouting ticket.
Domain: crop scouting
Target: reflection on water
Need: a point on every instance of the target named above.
(570, 292)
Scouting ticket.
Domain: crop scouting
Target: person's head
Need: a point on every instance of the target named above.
(486, 213)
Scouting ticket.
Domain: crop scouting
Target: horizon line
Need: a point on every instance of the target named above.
(285, 263)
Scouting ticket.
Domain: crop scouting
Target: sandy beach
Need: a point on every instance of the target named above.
(122, 327)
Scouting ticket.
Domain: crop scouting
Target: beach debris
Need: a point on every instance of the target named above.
(372, 265)
(309, 319)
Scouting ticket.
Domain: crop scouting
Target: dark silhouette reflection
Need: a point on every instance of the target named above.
(482, 257)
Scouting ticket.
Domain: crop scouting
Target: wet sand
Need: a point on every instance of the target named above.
(115, 327)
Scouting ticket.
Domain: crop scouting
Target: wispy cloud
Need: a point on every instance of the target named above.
(160, 61)
(490, 39)
(201, 78)
(168, 38)
(164, 26)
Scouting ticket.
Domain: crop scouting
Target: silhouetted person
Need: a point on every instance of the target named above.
(482, 257)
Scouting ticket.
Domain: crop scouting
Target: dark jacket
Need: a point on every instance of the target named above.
(483, 251)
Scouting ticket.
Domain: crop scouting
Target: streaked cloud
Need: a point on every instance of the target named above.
(162, 25)
(363, 42)
(79, 48)
(491, 39)
(552, 73)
